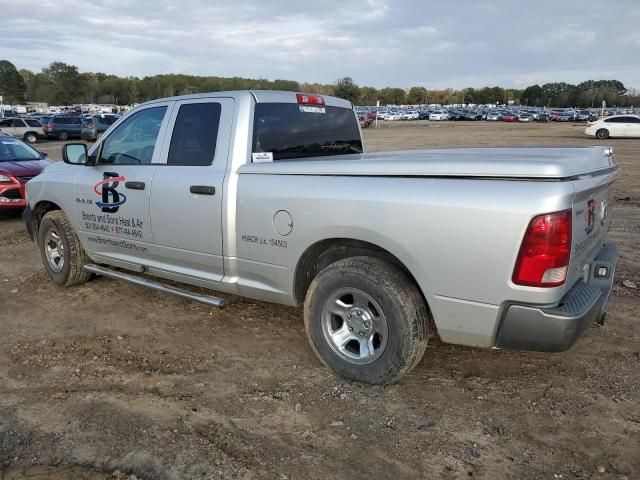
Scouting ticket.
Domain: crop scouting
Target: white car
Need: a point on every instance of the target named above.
(615, 126)
(410, 115)
(494, 116)
(439, 115)
(393, 116)
(28, 129)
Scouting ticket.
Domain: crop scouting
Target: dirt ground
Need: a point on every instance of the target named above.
(108, 380)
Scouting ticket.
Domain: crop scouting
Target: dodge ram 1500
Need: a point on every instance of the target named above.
(269, 195)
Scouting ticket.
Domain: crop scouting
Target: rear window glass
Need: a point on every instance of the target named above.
(107, 120)
(34, 123)
(289, 130)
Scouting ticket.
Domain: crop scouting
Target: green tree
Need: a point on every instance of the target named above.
(368, 96)
(12, 86)
(66, 83)
(417, 96)
(534, 95)
(347, 89)
(393, 96)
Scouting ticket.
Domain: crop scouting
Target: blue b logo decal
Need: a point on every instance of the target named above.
(111, 199)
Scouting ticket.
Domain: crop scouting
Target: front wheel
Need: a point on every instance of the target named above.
(31, 137)
(63, 136)
(602, 134)
(62, 254)
(366, 320)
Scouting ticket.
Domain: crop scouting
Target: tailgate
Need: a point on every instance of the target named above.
(591, 221)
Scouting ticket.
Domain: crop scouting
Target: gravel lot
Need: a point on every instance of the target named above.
(108, 380)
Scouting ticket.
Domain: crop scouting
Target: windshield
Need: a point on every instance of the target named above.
(289, 130)
(12, 150)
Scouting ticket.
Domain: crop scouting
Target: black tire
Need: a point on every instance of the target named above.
(30, 137)
(72, 271)
(401, 303)
(63, 136)
(602, 134)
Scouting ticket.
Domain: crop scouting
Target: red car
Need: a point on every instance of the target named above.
(19, 163)
(509, 117)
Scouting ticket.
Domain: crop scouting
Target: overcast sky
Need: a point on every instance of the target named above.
(400, 43)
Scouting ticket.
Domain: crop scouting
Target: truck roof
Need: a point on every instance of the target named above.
(259, 96)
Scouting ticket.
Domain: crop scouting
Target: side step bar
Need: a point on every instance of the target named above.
(160, 287)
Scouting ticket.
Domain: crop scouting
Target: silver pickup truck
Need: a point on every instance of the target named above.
(270, 196)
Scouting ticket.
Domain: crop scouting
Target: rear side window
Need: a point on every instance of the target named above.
(289, 130)
(34, 123)
(195, 132)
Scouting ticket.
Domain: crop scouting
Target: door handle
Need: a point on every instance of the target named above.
(202, 189)
(134, 185)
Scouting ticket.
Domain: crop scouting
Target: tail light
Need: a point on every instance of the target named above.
(545, 251)
(308, 99)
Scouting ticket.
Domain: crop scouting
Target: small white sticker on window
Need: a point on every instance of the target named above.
(10, 142)
(311, 109)
(262, 157)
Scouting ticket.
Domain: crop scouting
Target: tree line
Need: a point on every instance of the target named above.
(62, 84)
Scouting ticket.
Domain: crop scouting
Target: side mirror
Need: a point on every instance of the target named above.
(44, 154)
(75, 153)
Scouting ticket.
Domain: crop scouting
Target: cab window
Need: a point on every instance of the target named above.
(134, 140)
(194, 135)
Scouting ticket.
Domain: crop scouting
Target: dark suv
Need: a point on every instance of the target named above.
(94, 127)
(63, 128)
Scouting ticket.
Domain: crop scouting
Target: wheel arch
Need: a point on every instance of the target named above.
(31, 132)
(324, 252)
(39, 210)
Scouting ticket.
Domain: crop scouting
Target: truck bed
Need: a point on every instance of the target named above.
(520, 163)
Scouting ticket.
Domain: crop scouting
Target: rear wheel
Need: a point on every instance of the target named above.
(63, 136)
(62, 254)
(30, 137)
(603, 133)
(366, 320)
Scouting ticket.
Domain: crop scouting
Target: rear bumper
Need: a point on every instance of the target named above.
(556, 329)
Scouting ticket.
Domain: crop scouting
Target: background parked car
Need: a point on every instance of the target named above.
(583, 116)
(525, 117)
(63, 127)
(509, 117)
(19, 163)
(94, 126)
(616, 126)
(565, 117)
(28, 129)
(439, 115)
